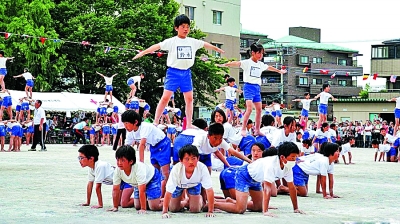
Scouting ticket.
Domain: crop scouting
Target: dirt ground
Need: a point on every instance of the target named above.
(38, 187)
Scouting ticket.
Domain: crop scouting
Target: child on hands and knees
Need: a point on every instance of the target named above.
(181, 54)
(145, 179)
(100, 172)
(192, 175)
(252, 70)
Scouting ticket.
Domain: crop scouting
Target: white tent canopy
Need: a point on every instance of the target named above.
(65, 101)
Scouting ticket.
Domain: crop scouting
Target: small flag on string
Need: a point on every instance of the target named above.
(43, 39)
(305, 69)
(7, 35)
(347, 73)
(24, 36)
(375, 76)
(57, 40)
(365, 77)
(85, 43)
(283, 67)
(324, 71)
(107, 49)
(159, 54)
(93, 101)
(333, 75)
(393, 78)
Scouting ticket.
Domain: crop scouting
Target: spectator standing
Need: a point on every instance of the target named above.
(39, 123)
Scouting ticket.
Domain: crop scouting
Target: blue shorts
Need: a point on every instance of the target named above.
(306, 135)
(146, 107)
(98, 110)
(397, 113)
(102, 111)
(196, 190)
(3, 71)
(333, 139)
(244, 182)
(47, 128)
(113, 130)
(165, 112)
(392, 152)
(323, 108)
(252, 92)
(233, 161)
(177, 78)
(127, 105)
(25, 106)
(31, 129)
(206, 159)
(18, 108)
(2, 130)
(321, 140)
(115, 109)
(179, 142)
(29, 82)
(227, 178)
(179, 113)
(134, 105)
(273, 113)
(264, 140)
(229, 105)
(25, 130)
(266, 113)
(106, 130)
(161, 153)
(278, 113)
(130, 81)
(15, 130)
(171, 130)
(7, 102)
(300, 178)
(109, 88)
(304, 112)
(124, 185)
(246, 143)
(153, 188)
(92, 131)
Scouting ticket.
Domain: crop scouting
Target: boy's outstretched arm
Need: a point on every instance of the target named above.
(99, 196)
(142, 146)
(153, 48)
(210, 200)
(88, 193)
(293, 197)
(331, 181)
(115, 196)
(167, 199)
(266, 197)
(212, 47)
(142, 198)
(235, 64)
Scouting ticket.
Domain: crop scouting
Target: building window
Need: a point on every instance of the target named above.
(317, 60)
(342, 82)
(317, 81)
(189, 12)
(244, 43)
(380, 52)
(217, 54)
(217, 17)
(303, 60)
(303, 81)
(342, 62)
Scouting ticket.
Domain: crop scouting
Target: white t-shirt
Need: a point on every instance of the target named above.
(269, 169)
(103, 172)
(27, 75)
(280, 137)
(368, 130)
(181, 52)
(108, 80)
(277, 106)
(141, 173)
(398, 103)
(324, 97)
(137, 79)
(321, 135)
(345, 148)
(252, 71)
(231, 135)
(3, 61)
(39, 114)
(306, 104)
(177, 177)
(310, 149)
(269, 132)
(202, 143)
(332, 133)
(151, 133)
(390, 138)
(314, 164)
(230, 93)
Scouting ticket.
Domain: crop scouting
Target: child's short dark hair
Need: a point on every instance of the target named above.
(215, 129)
(200, 123)
(271, 151)
(230, 79)
(329, 149)
(325, 85)
(256, 47)
(382, 129)
(2, 53)
(306, 93)
(374, 142)
(127, 152)
(249, 121)
(131, 116)
(275, 101)
(181, 19)
(332, 125)
(226, 76)
(288, 148)
(259, 145)
(307, 142)
(191, 150)
(267, 120)
(220, 111)
(90, 151)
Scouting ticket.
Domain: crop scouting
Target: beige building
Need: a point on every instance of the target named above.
(220, 20)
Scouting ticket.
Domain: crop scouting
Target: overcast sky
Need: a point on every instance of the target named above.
(349, 23)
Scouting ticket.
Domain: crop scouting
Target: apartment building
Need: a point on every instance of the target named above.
(385, 61)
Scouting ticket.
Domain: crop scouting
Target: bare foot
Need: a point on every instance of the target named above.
(228, 199)
(351, 163)
(243, 133)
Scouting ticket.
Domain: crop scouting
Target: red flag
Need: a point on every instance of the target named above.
(365, 77)
(323, 71)
(42, 39)
(159, 54)
(375, 76)
(283, 67)
(305, 69)
(347, 73)
(85, 43)
(333, 75)
(7, 35)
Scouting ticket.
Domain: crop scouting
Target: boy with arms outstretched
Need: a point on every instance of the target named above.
(192, 175)
(230, 97)
(100, 172)
(145, 179)
(181, 54)
(252, 70)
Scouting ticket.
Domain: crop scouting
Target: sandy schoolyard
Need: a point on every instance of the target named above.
(39, 187)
